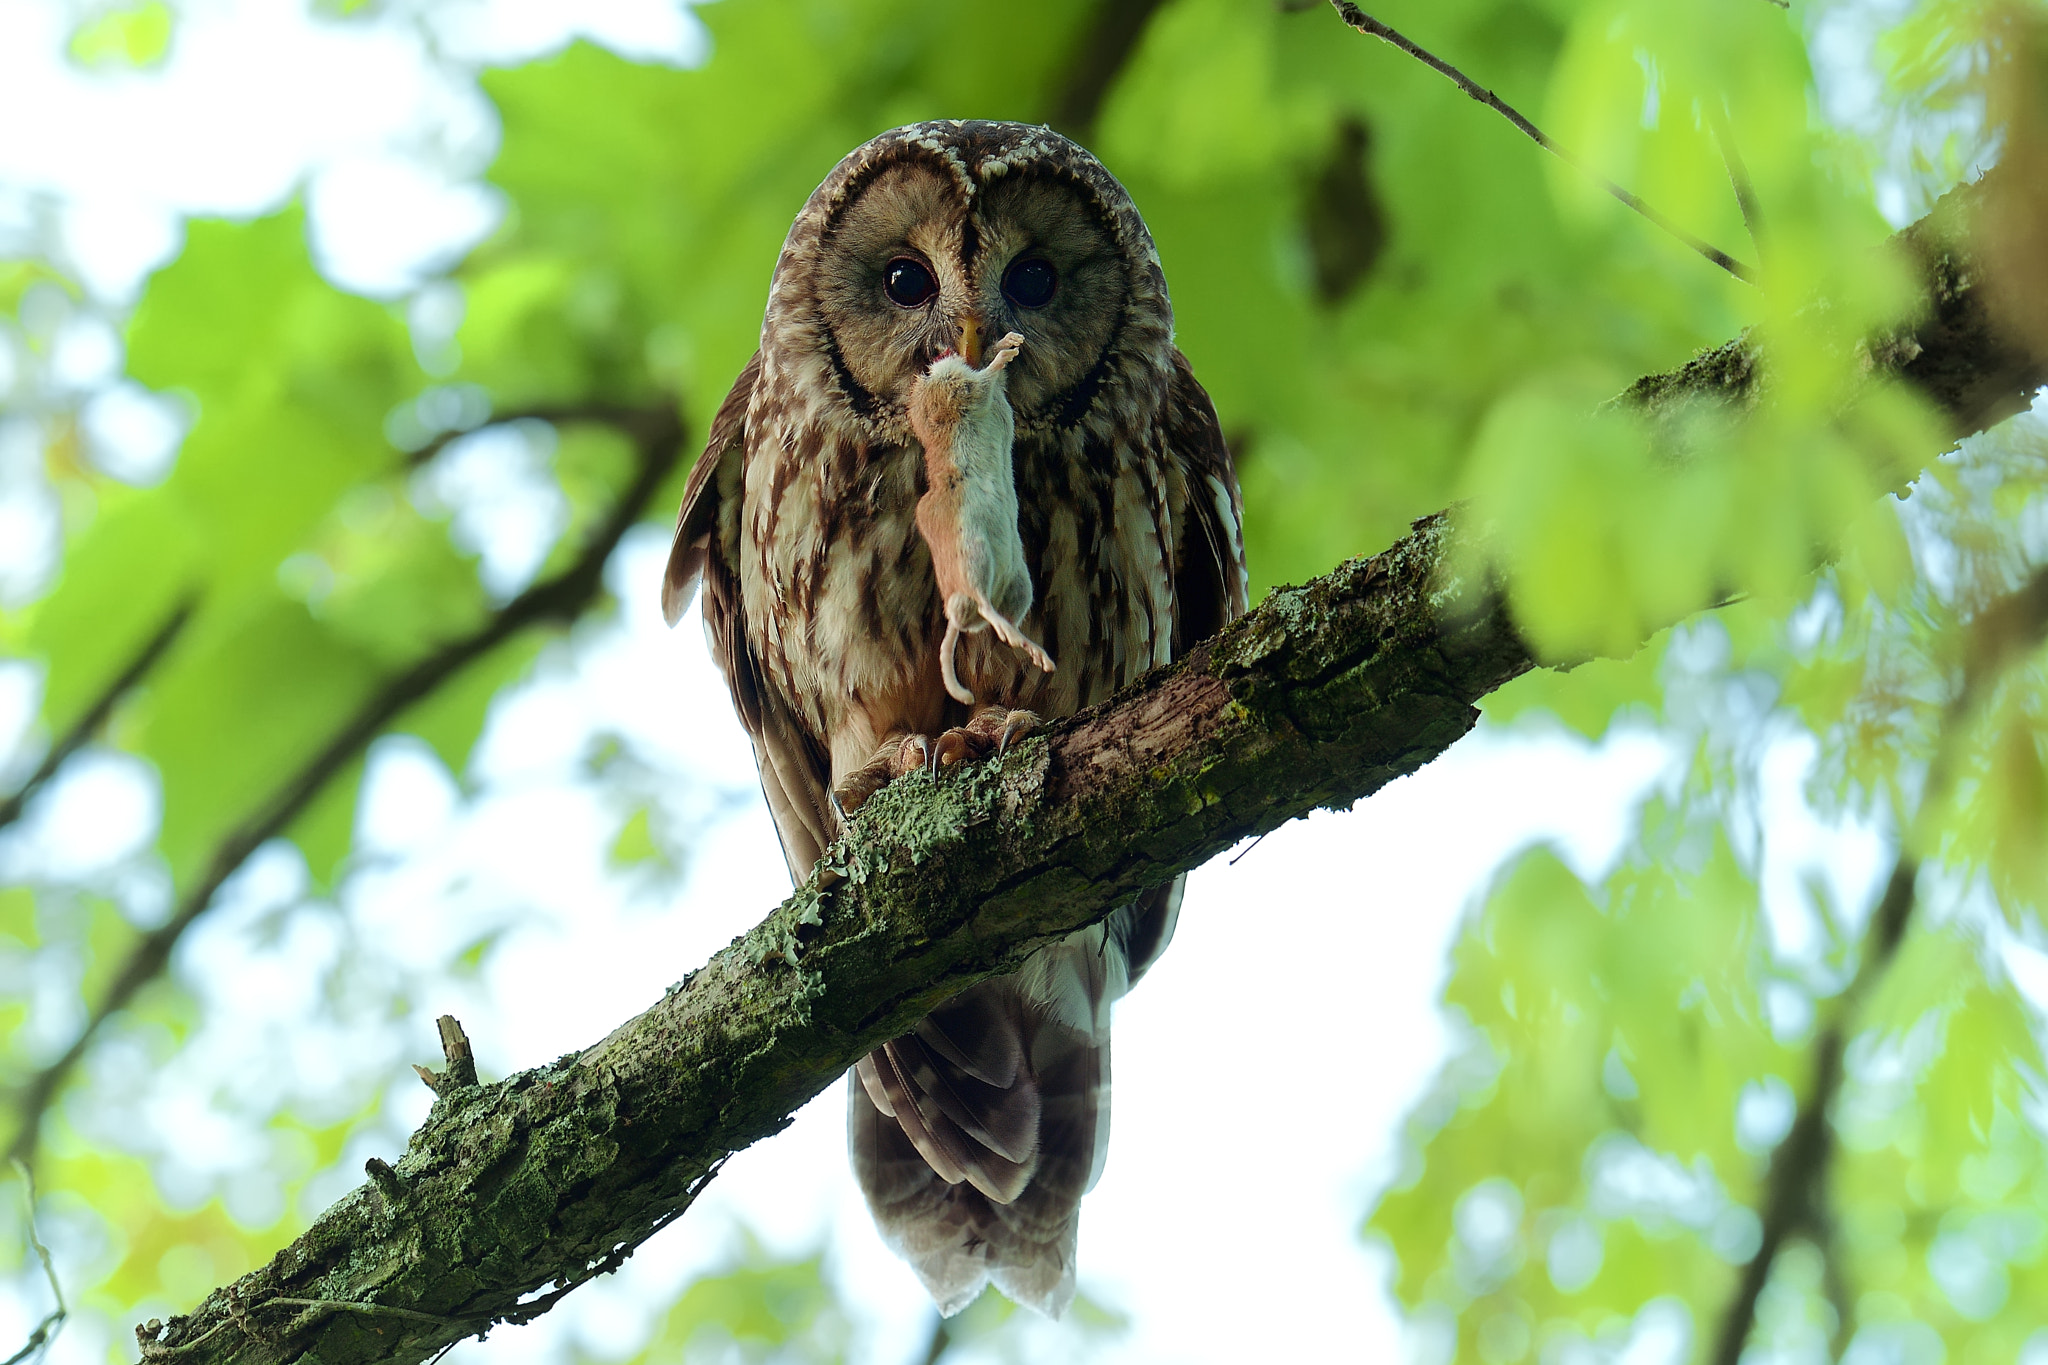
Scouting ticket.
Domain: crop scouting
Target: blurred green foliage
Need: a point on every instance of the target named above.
(1597, 1148)
(757, 1309)
(125, 35)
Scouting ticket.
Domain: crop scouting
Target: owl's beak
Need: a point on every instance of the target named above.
(970, 341)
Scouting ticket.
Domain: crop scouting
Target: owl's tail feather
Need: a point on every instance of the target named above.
(975, 1136)
(966, 1129)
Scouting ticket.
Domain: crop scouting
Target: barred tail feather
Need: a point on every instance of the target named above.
(958, 1238)
(975, 1135)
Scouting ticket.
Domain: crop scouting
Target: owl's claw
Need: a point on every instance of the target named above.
(1015, 726)
(854, 790)
(926, 756)
(895, 757)
(991, 732)
(951, 748)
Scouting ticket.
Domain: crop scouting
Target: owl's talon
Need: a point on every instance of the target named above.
(914, 752)
(1016, 725)
(853, 792)
(989, 734)
(895, 757)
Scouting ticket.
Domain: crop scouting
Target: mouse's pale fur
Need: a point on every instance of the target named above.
(968, 515)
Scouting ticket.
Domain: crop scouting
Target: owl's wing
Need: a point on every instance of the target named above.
(1209, 585)
(1209, 589)
(708, 494)
(795, 769)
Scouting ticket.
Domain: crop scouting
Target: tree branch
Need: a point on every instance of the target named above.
(658, 431)
(1323, 695)
(88, 724)
(1796, 1198)
(1317, 698)
(1955, 355)
(1738, 180)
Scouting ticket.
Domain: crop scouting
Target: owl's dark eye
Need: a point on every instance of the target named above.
(908, 282)
(1030, 283)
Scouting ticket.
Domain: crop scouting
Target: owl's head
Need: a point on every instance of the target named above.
(941, 237)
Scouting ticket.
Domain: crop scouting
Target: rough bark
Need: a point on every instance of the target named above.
(1319, 697)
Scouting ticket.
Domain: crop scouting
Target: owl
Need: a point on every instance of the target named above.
(966, 484)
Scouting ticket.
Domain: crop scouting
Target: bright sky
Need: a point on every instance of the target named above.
(1263, 1070)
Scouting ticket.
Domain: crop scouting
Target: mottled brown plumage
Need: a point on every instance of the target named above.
(975, 1135)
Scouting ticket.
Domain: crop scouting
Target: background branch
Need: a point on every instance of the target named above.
(1366, 24)
(1738, 179)
(1317, 698)
(53, 1321)
(642, 423)
(1796, 1197)
(96, 715)
(658, 434)
(939, 1342)
(1104, 46)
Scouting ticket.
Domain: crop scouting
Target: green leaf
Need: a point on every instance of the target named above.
(635, 843)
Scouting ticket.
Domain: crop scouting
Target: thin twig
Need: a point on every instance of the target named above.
(659, 433)
(1366, 24)
(1738, 179)
(940, 1341)
(87, 725)
(152, 1349)
(1796, 1198)
(616, 1257)
(53, 1321)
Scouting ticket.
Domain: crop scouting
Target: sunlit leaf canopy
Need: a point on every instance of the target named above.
(1396, 301)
